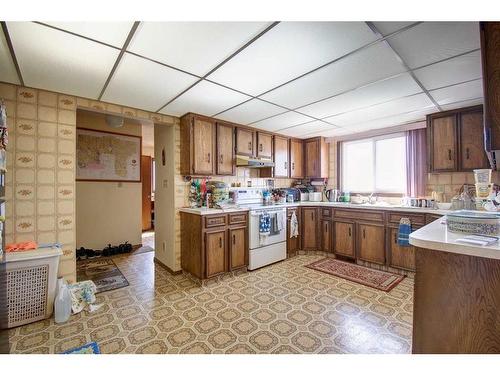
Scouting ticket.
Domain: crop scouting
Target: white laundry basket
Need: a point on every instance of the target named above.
(31, 278)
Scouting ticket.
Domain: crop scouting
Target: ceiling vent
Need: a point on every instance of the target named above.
(114, 121)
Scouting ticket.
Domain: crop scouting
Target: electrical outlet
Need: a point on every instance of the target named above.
(165, 184)
(164, 245)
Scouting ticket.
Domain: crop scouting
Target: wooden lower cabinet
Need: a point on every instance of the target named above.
(293, 243)
(343, 239)
(238, 253)
(326, 235)
(215, 253)
(310, 228)
(371, 242)
(399, 256)
(213, 244)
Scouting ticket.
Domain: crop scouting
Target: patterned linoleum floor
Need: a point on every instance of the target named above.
(283, 308)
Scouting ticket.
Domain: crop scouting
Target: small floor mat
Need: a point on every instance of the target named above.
(90, 348)
(103, 272)
(377, 279)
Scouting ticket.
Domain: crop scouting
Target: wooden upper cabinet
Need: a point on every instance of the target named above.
(490, 48)
(225, 163)
(371, 243)
(456, 140)
(472, 150)
(316, 158)
(281, 163)
(296, 158)
(197, 145)
(443, 143)
(264, 145)
(245, 142)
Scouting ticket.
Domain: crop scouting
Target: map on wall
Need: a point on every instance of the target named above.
(106, 156)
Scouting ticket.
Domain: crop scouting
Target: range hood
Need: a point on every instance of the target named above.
(245, 161)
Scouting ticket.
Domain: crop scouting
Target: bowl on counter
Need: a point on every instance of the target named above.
(473, 222)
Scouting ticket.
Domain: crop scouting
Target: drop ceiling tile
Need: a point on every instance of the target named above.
(7, 69)
(332, 132)
(433, 41)
(282, 121)
(456, 70)
(394, 107)
(367, 66)
(289, 50)
(146, 85)
(113, 33)
(196, 47)
(305, 130)
(204, 98)
(391, 121)
(57, 61)
(378, 92)
(456, 93)
(463, 103)
(251, 111)
(387, 28)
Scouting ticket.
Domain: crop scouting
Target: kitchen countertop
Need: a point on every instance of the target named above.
(204, 211)
(435, 236)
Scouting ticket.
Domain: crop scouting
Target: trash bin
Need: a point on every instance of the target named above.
(31, 278)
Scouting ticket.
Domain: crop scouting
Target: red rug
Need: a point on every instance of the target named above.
(380, 280)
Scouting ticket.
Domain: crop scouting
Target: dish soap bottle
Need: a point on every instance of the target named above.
(62, 304)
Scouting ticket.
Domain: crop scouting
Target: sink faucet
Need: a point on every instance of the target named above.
(372, 199)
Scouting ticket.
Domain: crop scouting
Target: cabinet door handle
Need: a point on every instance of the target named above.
(221, 159)
(449, 154)
(260, 147)
(293, 166)
(220, 242)
(364, 233)
(286, 164)
(467, 153)
(349, 231)
(234, 239)
(250, 146)
(208, 157)
(326, 227)
(312, 216)
(395, 238)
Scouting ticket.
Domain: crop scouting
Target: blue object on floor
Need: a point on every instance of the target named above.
(90, 348)
(404, 232)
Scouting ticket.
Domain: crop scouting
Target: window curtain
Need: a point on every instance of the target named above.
(416, 162)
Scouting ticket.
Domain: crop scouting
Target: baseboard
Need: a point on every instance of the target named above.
(169, 270)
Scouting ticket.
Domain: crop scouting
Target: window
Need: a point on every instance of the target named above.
(375, 165)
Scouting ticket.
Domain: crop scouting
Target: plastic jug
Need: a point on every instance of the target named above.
(62, 304)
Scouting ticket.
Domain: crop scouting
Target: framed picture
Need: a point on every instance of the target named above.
(107, 156)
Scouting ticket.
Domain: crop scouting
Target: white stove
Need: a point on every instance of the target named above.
(263, 249)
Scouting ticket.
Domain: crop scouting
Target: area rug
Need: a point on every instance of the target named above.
(103, 272)
(90, 348)
(380, 280)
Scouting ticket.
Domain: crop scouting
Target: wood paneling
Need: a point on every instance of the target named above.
(472, 153)
(245, 142)
(400, 256)
(215, 253)
(281, 163)
(238, 254)
(225, 163)
(310, 228)
(371, 243)
(296, 158)
(344, 239)
(146, 169)
(443, 143)
(456, 303)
